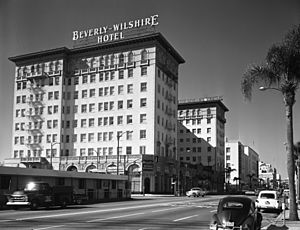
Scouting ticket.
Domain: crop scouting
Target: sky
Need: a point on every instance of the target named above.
(217, 38)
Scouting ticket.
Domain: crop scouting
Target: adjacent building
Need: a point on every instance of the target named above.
(201, 136)
(242, 164)
(111, 108)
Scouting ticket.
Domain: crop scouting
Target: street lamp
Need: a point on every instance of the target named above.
(119, 135)
(51, 155)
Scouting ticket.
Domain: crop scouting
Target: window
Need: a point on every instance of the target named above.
(129, 135)
(75, 94)
(227, 149)
(143, 86)
(128, 150)
(83, 123)
(91, 107)
(92, 92)
(129, 104)
(209, 149)
(91, 137)
(84, 79)
(129, 119)
(93, 78)
(120, 104)
(143, 118)
(84, 93)
(121, 59)
(83, 137)
(83, 108)
(120, 89)
(130, 73)
(143, 71)
(142, 134)
(56, 95)
(120, 120)
(130, 58)
(121, 74)
(112, 90)
(91, 122)
(130, 88)
(208, 139)
(208, 120)
(143, 102)
(50, 95)
(142, 150)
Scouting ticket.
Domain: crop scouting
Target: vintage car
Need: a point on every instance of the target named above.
(236, 212)
(196, 192)
(269, 200)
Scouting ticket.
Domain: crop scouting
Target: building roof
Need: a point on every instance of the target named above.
(201, 103)
(63, 51)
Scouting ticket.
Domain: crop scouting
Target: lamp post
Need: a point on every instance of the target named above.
(119, 135)
(51, 155)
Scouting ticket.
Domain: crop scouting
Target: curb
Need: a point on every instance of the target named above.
(279, 217)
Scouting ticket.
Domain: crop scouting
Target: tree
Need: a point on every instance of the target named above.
(228, 171)
(281, 72)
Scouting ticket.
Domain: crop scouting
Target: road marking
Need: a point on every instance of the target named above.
(57, 226)
(184, 218)
(5, 220)
(161, 210)
(213, 210)
(116, 217)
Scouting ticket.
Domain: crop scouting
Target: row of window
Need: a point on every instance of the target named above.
(84, 137)
(194, 121)
(85, 79)
(104, 151)
(194, 158)
(195, 131)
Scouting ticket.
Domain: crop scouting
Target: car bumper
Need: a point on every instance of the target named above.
(18, 203)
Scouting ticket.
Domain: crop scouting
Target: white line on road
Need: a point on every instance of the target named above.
(161, 210)
(213, 210)
(57, 226)
(115, 217)
(184, 218)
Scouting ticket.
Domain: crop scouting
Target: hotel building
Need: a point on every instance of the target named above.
(78, 109)
(201, 136)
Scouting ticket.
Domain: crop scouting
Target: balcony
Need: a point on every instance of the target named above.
(34, 117)
(33, 145)
(35, 103)
(33, 130)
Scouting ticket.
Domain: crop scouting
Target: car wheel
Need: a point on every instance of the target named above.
(194, 195)
(34, 205)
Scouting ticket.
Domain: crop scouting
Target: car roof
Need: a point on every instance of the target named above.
(242, 199)
(268, 191)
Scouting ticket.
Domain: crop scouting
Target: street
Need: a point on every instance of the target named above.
(141, 213)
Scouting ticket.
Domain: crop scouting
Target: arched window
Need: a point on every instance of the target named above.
(19, 72)
(32, 69)
(144, 56)
(57, 65)
(121, 59)
(24, 70)
(130, 58)
(93, 63)
(112, 59)
(106, 60)
(101, 61)
(38, 68)
(51, 66)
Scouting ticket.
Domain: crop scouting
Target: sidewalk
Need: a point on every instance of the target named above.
(279, 222)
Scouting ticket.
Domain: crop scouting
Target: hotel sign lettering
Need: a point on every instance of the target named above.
(115, 32)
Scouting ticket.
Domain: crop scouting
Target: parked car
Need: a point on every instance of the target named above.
(196, 192)
(236, 212)
(269, 200)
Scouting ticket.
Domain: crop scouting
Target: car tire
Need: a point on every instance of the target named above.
(34, 205)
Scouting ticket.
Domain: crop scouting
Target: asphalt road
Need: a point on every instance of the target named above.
(141, 213)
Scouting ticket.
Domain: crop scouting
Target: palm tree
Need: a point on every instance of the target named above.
(281, 72)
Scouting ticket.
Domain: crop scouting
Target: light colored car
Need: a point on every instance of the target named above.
(269, 200)
(196, 192)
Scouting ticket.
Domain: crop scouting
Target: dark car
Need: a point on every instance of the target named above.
(236, 212)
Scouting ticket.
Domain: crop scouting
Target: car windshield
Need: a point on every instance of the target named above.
(233, 205)
(267, 195)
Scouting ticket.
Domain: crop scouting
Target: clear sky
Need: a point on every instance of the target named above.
(217, 38)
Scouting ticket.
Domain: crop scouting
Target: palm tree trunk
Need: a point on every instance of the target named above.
(290, 160)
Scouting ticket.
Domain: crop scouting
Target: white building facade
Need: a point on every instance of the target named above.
(73, 108)
(201, 135)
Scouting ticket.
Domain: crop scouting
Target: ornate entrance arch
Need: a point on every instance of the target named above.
(72, 168)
